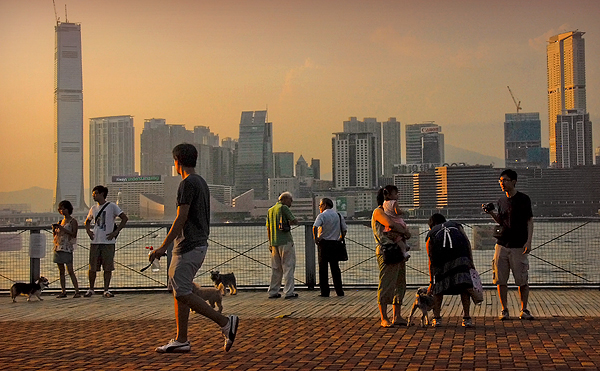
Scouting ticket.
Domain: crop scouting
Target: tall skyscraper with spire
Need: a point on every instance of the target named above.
(68, 107)
(566, 82)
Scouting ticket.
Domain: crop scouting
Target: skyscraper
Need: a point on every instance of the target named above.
(522, 133)
(354, 160)
(392, 154)
(68, 105)
(111, 148)
(156, 145)
(566, 80)
(424, 144)
(254, 164)
(368, 125)
(283, 164)
(574, 139)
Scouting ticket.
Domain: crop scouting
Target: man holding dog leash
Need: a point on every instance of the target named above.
(515, 219)
(190, 233)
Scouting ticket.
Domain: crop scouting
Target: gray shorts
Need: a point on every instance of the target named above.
(506, 260)
(183, 269)
(102, 255)
(62, 257)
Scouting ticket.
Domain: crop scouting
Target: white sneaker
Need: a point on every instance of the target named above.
(229, 331)
(174, 346)
(88, 293)
(108, 294)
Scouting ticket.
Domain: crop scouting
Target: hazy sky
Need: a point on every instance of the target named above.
(313, 63)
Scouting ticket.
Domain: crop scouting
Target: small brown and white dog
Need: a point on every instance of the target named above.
(423, 302)
(227, 279)
(29, 289)
(213, 296)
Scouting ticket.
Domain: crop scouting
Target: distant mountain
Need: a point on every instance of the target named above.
(455, 155)
(40, 199)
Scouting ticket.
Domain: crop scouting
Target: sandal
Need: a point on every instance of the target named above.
(61, 295)
(77, 295)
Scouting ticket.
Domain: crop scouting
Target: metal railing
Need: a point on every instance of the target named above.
(565, 253)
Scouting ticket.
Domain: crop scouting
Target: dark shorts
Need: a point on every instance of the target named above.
(102, 255)
(62, 257)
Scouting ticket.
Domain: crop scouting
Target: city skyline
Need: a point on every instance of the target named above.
(312, 64)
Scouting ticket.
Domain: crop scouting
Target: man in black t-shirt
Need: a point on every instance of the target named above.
(513, 246)
(190, 234)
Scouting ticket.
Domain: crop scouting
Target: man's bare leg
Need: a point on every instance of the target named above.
(502, 295)
(198, 305)
(524, 294)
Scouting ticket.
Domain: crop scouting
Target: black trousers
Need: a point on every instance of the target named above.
(325, 260)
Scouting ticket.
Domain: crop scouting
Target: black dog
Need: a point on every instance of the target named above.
(227, 279)
(28, 289)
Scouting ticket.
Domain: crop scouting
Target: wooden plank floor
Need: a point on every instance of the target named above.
(255, 304)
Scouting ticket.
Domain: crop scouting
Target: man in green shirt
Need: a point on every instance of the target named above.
(281, 245)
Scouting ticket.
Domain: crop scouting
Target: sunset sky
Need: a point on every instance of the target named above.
(312, 63)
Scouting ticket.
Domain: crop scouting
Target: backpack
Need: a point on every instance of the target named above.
(447, 239)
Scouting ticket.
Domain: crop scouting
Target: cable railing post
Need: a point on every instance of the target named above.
(309, 257)
(37, 250)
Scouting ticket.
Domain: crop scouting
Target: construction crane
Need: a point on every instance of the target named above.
(55, 15)
(518, 105)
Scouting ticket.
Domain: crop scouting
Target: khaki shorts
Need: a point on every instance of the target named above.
(183, 269)
(102, 255)
(506, 260)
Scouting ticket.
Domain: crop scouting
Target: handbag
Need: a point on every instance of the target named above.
(477, 290)
(392, 254)
(341, 253)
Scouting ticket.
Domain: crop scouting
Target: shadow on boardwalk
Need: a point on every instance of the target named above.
(99, 333)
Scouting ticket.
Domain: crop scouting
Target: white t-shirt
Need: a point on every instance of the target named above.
(103, 224)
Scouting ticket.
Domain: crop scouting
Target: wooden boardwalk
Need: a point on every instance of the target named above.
(543, 303)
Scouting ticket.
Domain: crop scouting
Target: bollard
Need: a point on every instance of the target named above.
(37, 250)
(309, 257)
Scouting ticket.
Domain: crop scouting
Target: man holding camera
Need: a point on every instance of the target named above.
(515, 219)
(281, 245)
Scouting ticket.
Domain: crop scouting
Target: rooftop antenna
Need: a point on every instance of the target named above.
(55, 15)
(518, 105)
(66, 19)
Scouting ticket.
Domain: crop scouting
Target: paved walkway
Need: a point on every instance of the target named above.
(120, 333)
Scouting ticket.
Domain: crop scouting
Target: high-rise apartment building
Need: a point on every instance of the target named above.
(391, 145)
(574, 139)
(522, 140)
(283, 164)
(68, 105)
(354, 160)
(597, 155)
(255, 154)
(203, 135)
(566, 80)
(368, 125)
(111, 148)
(424, 144)
(156, 145)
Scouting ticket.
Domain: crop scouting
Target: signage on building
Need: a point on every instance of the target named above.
(129, 179)
(435, 129)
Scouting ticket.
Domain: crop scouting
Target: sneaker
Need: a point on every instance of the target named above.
(61, 295)
(504, 315)
(276, 296)
(229, 331)
(525, 315)
(467, 322)
(108, 294)
(293, 296)
(89, 293)
(174, 346)
(436, 322)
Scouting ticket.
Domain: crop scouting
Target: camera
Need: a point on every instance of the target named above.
(488, 207)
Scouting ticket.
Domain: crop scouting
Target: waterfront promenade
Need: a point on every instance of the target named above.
(301, 334)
